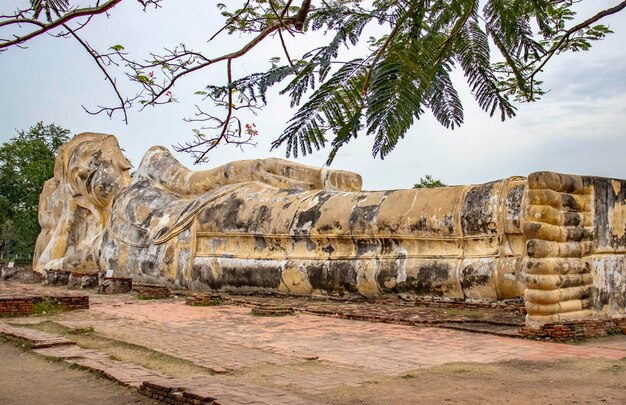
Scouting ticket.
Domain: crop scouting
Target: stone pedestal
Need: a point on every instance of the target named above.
(115, 285)
(23, 274)
(83, 280)
(56, 277)
(151, 291)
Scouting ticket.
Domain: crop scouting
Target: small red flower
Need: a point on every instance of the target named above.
(251, 129)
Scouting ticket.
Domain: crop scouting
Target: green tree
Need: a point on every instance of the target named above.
(501, 46)
(428, 182)
(26, 162)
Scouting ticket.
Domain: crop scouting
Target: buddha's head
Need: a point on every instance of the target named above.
(93, 167)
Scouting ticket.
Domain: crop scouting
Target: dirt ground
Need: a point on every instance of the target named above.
(511, 382)
(27, 379)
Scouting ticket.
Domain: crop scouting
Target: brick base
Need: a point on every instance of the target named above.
(151, 290)
(69, 302)
(83, 280)
(572, 330)
(56, 277)
(115, 285)
(16, 306)
(22, 274)
(19, 306)
(511, 305)
(204, 300)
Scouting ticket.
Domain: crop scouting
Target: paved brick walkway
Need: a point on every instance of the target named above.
(303, 353)
(36, 339)
(231, 338)
(202, 389)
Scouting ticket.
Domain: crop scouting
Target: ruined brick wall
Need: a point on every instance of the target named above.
(14, 306)
(573, 330)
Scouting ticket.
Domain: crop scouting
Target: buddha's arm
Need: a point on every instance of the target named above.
(280, 173)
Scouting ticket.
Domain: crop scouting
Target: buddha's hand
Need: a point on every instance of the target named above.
(290, 175)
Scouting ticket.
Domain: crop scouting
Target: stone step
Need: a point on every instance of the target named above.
(36, 338)
(485, 327)
(210, 390)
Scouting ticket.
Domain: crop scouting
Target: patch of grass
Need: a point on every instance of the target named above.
(147, 297)
(47, 307)
(257, 312)
(576, 340)
(613, 331)
(82, 331)
(75, 366)
(614, 368)
(210, 303)
(18, 342)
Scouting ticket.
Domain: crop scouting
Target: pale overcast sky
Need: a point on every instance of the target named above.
(579, 127)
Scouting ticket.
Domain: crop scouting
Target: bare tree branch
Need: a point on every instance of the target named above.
(77, 13)
(94, 55)
(604, 13)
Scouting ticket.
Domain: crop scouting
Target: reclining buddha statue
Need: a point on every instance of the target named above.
(557, 240)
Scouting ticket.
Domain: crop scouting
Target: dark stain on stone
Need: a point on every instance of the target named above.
(388, 245)
(334, 277)
(514, 203)
(430, 279)
(448, 223)
(363, 217)
(262, 276)
(568, 201)
(230, 218)
(419, 225)
(260, 243)
(471, 277)
(148, 267)
(363, 246)
(264, 214)
(328, 249)
(310, 245)
(328, 228)
(477, 215)
(571, 219)
(308, 218)
(605, 199)
(387, 273)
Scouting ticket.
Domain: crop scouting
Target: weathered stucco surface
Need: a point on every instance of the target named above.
(274, 225)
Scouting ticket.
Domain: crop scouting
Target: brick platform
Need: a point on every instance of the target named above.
(563, 331)
(23, 274)
(69, 302)
(56, 277)
(151, 290)
(209, 390)
(15, 306)
(115, 285)
(83, 280)
(36, 338)
(204, 300)
(20, 305)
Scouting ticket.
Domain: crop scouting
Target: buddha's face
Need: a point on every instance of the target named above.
(99, 170)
